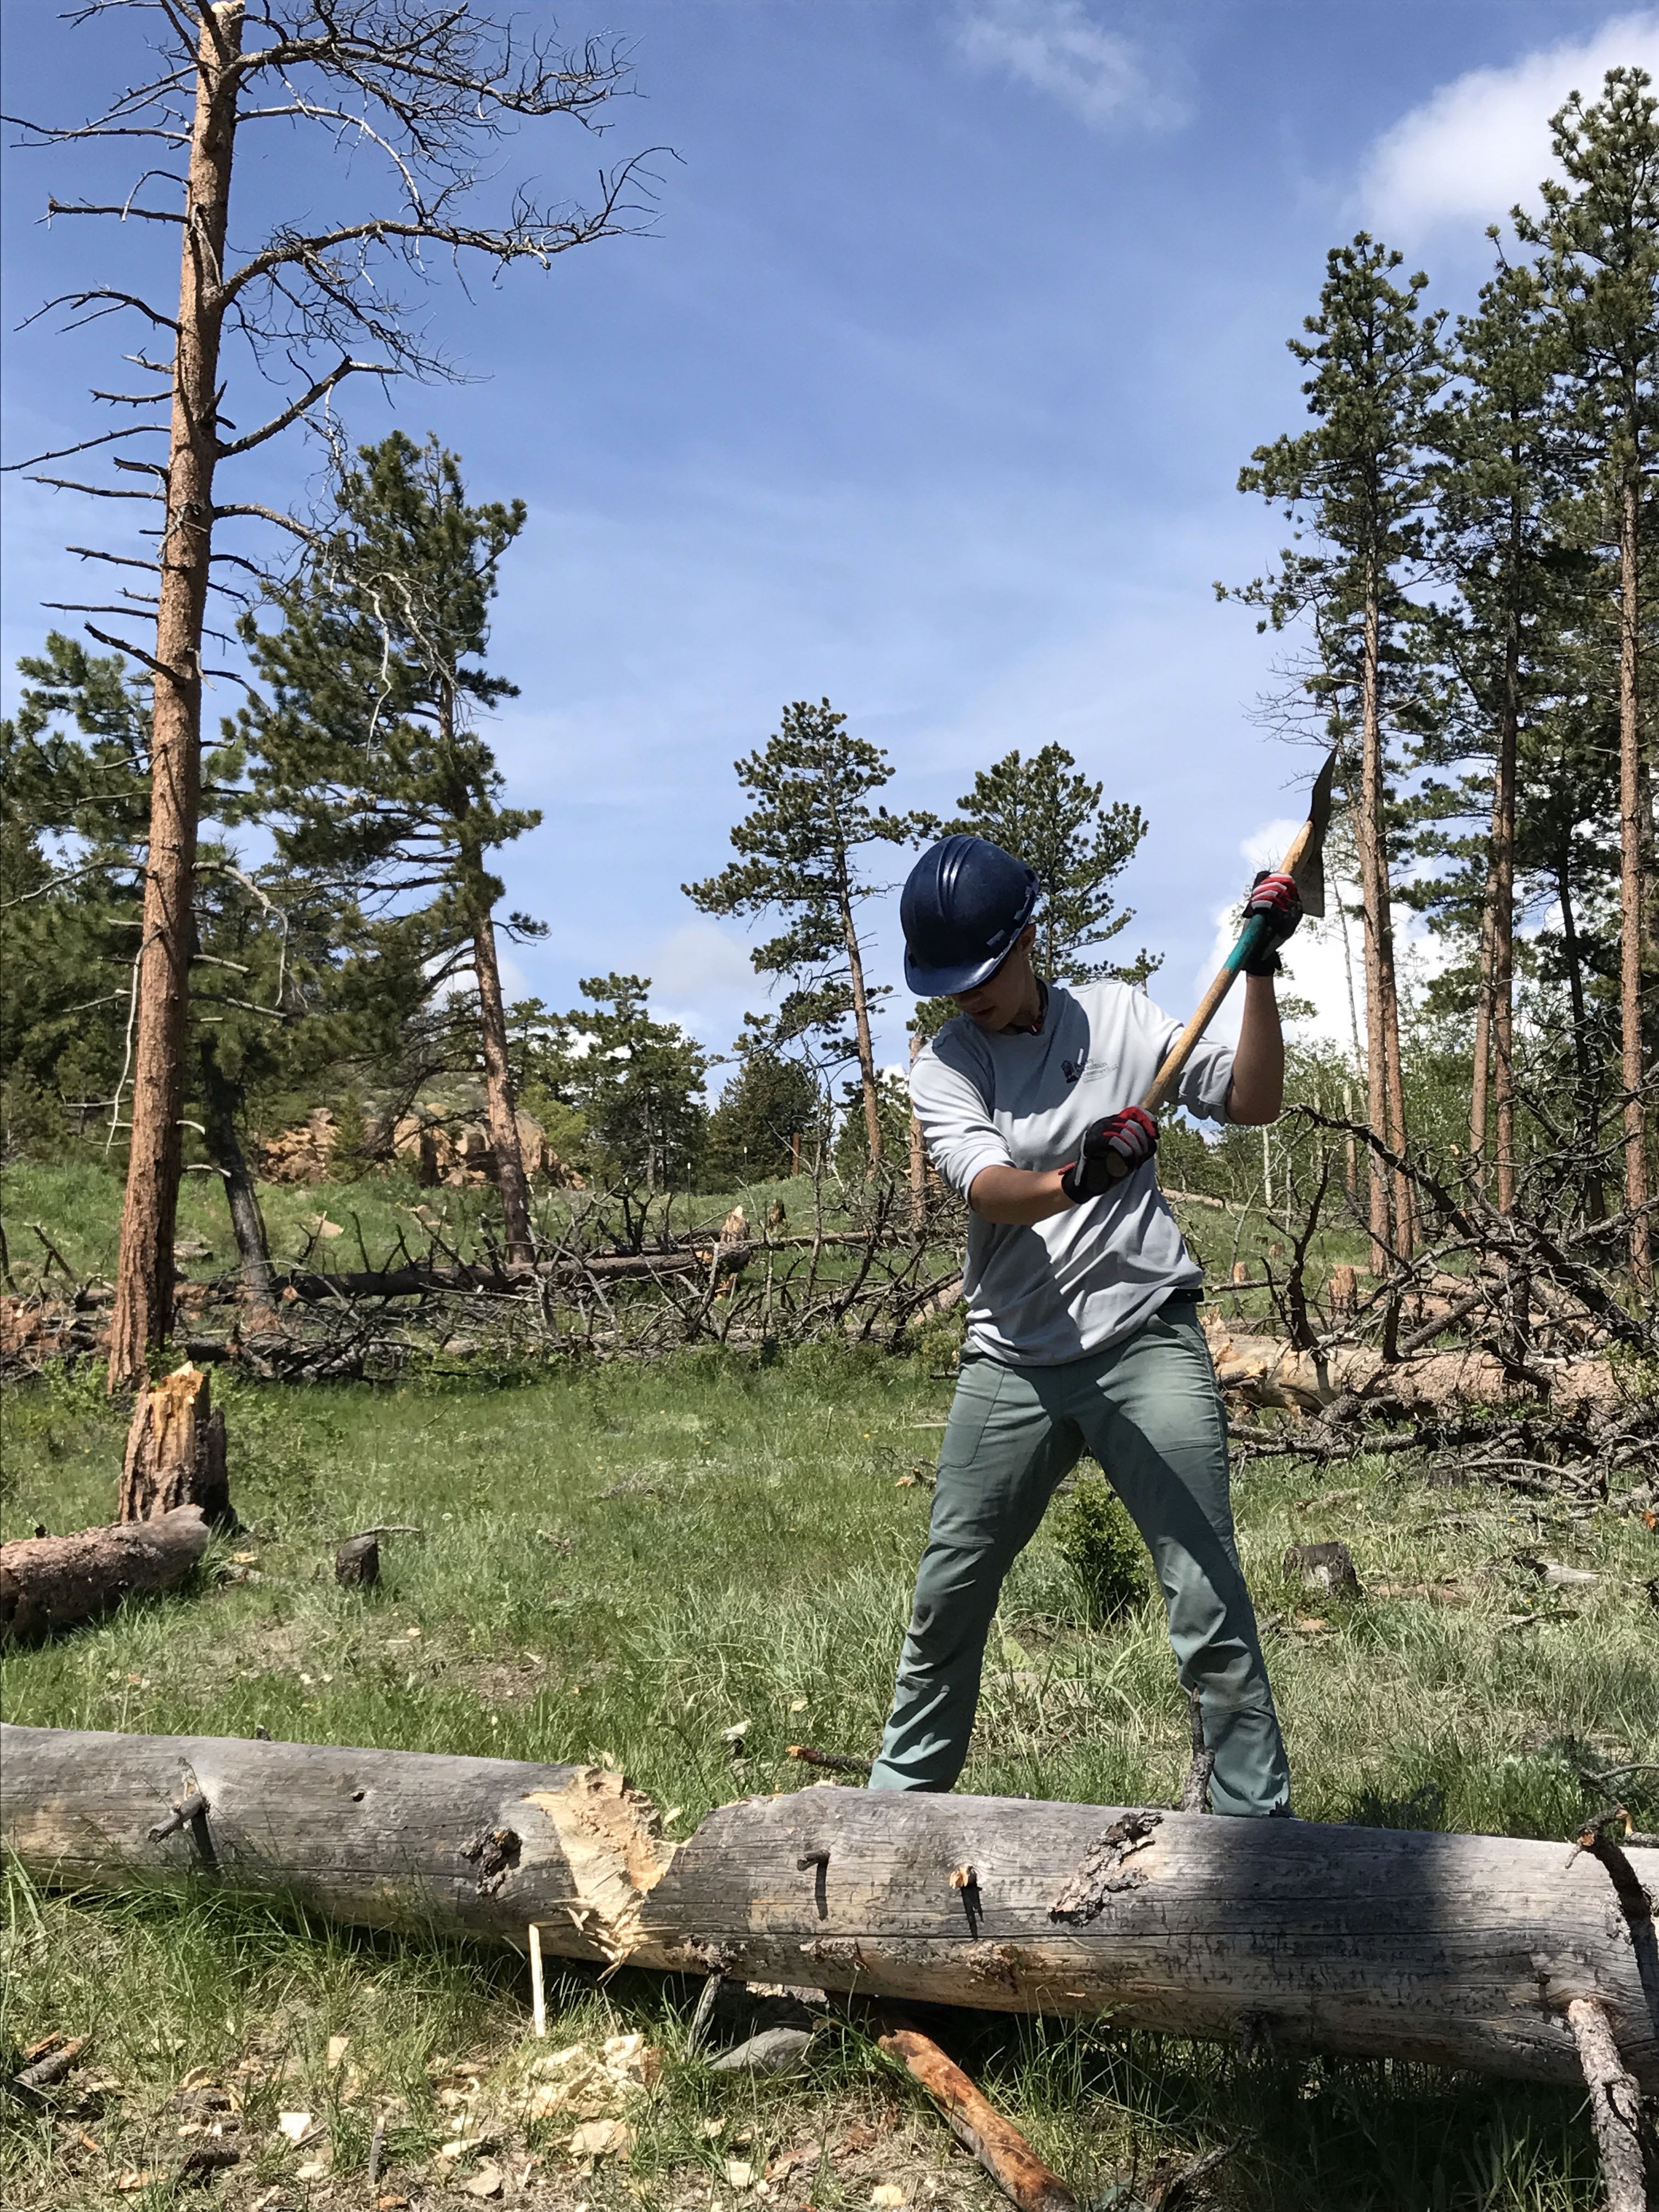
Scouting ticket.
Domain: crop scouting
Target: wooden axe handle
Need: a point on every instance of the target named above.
(1162, 1087)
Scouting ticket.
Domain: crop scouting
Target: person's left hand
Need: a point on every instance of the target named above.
(1275, 902)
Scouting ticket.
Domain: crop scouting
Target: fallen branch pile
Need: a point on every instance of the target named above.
(1460, 1950)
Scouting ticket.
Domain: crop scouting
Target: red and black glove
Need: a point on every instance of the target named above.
(1275, 902)
(1112, 1149)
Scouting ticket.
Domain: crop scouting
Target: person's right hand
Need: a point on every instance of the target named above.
(1112, 1148)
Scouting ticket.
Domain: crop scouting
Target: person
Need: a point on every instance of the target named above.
(1082, 1306)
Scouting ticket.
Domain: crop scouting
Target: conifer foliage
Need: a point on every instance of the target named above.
(799, 849)
(366, 755)
(1049, 815)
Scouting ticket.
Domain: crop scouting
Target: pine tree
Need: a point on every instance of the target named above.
(365, 754)
(1497, 490)
(1599, 261)
(799, 847)
(1049, 815)
(637, 1082)
(266, 954)
(768, 1113)
(1360, 480)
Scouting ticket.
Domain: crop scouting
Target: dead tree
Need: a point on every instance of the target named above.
(432, 90)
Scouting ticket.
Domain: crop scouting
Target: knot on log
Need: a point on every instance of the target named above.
(495, 1852)
(1099, 1873)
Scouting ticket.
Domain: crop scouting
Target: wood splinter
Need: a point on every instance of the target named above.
(997, 2143)
(1615, 2105)
(836, 1762)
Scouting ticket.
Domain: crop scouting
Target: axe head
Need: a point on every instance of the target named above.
(1306, 863)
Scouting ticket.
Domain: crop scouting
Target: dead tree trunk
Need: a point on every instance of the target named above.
(1391, 1207)
(505, 1152)
(48, 1583)
(1502, 889)
(143, 1280)
(258, 1283)
(861, 1024)
(1457, 1950)
(175, 1452)
(918, 1162)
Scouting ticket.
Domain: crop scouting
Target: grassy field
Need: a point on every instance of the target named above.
(621, 1563)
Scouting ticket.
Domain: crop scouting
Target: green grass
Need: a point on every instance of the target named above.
(619, 1564)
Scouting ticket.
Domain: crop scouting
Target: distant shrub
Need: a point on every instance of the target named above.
(1104, 1550)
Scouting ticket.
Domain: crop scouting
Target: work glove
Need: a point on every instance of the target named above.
(1276, 900)
(1112, 1149)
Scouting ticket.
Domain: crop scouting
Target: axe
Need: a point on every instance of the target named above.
(1306, 862)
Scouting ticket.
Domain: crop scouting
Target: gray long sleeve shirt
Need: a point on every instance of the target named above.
(1082, 1279)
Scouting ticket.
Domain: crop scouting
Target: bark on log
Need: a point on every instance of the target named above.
(176, 1452)
(1459, 1950)
(48, 1583)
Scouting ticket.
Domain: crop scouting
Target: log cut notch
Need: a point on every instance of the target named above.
(1459, 1950)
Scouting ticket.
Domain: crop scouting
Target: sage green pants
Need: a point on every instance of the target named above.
(1150, 1411)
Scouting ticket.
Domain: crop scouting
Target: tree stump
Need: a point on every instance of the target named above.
(1323, 1570)
(357, 1561)
(1344, 1290)
(175, 1453)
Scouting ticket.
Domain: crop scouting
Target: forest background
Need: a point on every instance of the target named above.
(1461, 611)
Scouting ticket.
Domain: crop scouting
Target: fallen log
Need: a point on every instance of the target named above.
(423, 1276)
(1264, 1370)
(49, 1584)
(1459, 1950)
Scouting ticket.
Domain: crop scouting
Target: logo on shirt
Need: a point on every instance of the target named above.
(1072, 1069)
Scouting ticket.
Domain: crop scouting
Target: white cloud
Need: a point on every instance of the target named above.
(1057, 47)
(1473, 148)
(703, 979)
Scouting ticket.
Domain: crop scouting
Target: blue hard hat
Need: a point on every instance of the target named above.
(963, 904)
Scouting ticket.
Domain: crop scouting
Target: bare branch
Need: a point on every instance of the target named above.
(121, 644)
(86, 207)
(532, 236)
(319, 390)
(116, 560)
(100, 292)
(92, 492)
(263, 515)
(108, 438)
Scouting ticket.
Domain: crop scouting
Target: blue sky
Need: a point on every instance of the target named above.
(928, 391)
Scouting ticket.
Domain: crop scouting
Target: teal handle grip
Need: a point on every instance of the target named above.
(1250, 943)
